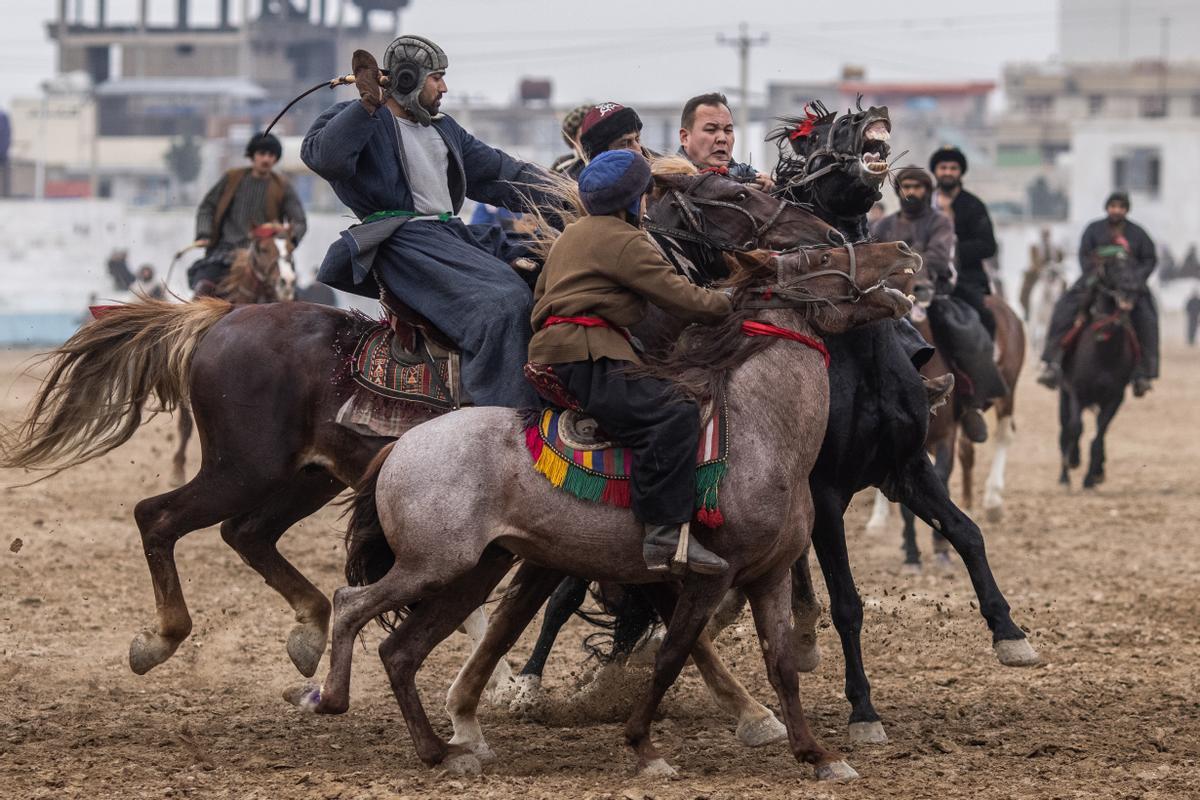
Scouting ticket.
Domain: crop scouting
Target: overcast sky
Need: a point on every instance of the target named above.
(643, 50)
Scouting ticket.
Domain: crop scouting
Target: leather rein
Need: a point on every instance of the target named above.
(693, 220)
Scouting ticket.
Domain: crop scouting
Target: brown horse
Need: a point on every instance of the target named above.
(263, 272)
(265, 383)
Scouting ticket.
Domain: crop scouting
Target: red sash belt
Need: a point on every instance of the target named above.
(752, 328)
(584, 322)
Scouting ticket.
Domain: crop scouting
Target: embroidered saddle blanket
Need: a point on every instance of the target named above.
(565, 447)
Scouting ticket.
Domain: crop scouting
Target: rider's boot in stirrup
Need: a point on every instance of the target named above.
(1050, 375)
(938, 390)
(672, 548)
(974, 426)
(1141, 385)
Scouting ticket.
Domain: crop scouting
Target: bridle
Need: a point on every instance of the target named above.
(694, 222)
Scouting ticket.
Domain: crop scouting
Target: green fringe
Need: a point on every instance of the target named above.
(583, 484)
(708, 481)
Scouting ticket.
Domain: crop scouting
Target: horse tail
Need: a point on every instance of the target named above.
(100, 379)
(368, 554)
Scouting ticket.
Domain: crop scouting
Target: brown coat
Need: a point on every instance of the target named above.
(604, 267)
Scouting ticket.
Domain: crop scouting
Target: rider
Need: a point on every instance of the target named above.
(706, 139)
(403, 168)
(240, 201)
(597, 280)
(571, 164)
(930, 233)
(1114, 229)
(610, 126)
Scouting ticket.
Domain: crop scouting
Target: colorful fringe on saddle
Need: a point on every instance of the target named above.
(602, 475)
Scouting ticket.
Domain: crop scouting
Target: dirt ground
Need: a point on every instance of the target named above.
(1104, 581)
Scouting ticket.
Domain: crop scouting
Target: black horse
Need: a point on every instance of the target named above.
(1101, 353)
(878, 420)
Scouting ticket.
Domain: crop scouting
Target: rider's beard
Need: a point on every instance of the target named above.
(948, 184)
(912, 206)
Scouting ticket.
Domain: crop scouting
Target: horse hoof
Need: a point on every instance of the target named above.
(808, 656)
(762, 731)
(148, 650)
(868, 733)
(836, 771)
(305, 646)
(463, 764)
(526, 694)
(306, 696)
(994, 513)
(910, 568)
(658, 768)
(1016, 653)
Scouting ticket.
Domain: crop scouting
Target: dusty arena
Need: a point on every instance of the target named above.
(1104, 581)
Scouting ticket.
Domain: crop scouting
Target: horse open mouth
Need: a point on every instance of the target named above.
(875, 148)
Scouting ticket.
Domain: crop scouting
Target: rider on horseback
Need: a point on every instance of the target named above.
(1115, 229)
(610, 126)
(956, 325)
(239, 202)
(706, 139)
(404, 169)
(572, 163)
(597, 280)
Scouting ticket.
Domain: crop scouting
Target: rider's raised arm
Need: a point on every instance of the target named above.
(293, 213)
(334, 142)
(208, 209)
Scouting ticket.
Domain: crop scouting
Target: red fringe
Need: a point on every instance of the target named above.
(710, 518)
(616, 493)
(533, 441)
(99, 311)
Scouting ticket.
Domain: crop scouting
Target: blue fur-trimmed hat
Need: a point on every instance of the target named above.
(615, 180)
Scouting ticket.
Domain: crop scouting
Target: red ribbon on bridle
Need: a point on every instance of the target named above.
(805, 126)
(754, 328)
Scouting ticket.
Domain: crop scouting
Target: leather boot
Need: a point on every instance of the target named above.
(672, 548)
(1050, 375)
(1141, 385)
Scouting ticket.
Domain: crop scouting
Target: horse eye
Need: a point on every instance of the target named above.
(825, 259)
(741, 196)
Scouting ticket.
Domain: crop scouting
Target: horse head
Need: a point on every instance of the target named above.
(1118, 286)
(836, 163)
(262, 272)
(728, 215)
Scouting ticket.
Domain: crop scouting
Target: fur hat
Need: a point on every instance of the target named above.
(911, 173)
(605, 122)
(615, 180)
(572, 122)
(948, 152)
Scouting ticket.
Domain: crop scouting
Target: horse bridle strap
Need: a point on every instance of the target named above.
(793, 295)
(755, 328)
(694, 221)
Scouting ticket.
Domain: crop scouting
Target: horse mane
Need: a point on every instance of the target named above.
(700, 361)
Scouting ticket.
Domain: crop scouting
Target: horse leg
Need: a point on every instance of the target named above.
(966, 462)
(993, 493)
(912, 553)
(943, 465)
(770, 602)
(179, 461)
(727, 612)
(566, 600)
(688, 616)
(1070, 421)
(163, 520)
(845, 609)
(529, 589)
(427, 624)
(922, 490)
(1095, 473)
(254, 536)
(500, 682)
(806, 613)
(881, 513)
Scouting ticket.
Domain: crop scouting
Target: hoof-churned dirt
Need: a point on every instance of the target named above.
(1105, 582)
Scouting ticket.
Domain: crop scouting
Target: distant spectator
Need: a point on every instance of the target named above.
(149, 286)
(1193, 317)
(118, 270)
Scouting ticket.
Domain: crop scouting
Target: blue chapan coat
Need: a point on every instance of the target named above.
(457, 276)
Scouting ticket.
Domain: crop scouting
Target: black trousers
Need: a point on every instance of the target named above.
(661, 428)
(1144, 319)
(958, 330)
(212, 268)
(974, 296)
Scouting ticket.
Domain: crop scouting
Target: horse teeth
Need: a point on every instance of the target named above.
(909, 271)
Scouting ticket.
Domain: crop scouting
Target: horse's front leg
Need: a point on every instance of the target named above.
(1095, 473)
(921, 489)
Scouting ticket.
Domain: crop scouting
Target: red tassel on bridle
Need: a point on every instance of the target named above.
(805, 126)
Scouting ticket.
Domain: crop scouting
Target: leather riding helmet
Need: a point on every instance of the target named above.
(409, 60)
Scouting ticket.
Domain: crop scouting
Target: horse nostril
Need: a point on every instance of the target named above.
(904, 248)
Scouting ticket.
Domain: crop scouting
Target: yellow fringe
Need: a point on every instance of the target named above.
(552, 465)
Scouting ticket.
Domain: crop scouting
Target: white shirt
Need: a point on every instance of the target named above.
(426, 161)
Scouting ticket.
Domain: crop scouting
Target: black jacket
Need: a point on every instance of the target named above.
(1141, 248)
(976, 241)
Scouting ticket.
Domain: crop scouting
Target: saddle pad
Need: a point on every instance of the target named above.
(373, 367)
(601, 474)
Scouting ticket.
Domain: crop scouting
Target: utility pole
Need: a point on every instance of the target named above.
(743, 43)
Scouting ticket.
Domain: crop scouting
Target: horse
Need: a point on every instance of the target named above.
(262, 272)
(501, 509)
(1100, 355)
(265, 383)
(1049, 286)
